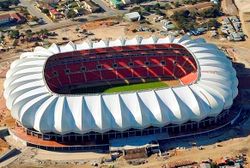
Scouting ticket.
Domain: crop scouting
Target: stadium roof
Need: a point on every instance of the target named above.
(35, 106)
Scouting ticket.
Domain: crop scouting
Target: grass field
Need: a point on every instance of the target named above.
(136, 87)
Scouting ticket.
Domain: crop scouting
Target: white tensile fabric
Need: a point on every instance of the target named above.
(35, 106)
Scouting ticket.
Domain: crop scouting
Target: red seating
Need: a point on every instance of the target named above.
(74, 67)
(124, 73)
(123, 62)
(100, 50)
(139, 61)
(54, 82)
(162, 46)
(108, 74)
(49, 73)
(155, 60)
(90, 65)
(62, 76)
(107, 64)
(132, 47)
(93, 76)
(120, 63)
(76, 78)
(156, 71)
(140, 72)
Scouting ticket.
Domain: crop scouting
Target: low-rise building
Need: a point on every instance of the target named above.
(15, 18)
(55, 15)
(133, 16)
(231, 26)
(91, 6)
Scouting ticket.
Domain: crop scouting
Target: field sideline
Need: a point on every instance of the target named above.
(136, 87)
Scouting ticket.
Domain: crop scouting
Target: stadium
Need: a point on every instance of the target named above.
(87, 94)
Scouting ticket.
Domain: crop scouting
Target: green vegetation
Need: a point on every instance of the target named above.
(71, 14)
(211, 13)
(5, 4)
(211, 23)
(14, 34)
(187, 20)
(136, 87)
(122, 87)
(184, 20)
(46, 11)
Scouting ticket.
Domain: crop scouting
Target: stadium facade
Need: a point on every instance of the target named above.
(39, 89)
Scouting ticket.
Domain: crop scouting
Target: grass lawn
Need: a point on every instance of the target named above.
(136, 87)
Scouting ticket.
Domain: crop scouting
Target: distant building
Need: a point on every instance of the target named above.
(231, 26)
(120, 3)
(55, 14)
(133, 16)
(9, 18)
(91, 6)
(115, 3)
(51, 1)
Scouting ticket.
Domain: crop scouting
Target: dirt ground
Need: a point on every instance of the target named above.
(3, 146)
(228, 7)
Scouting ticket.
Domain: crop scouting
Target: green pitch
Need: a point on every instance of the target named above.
(136, 87)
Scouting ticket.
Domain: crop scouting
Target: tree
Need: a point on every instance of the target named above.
(71, 14)
(46, 11)
(15, 2)
(5, 5)
(157, 6)
(158, 12)
(183, 20)
(2, 38)
(212, 23)
(43, 32)
(211, 13)
(168, 6)
(147, 8)
(28, 33)
(177, 4)
(34, 18)
(14, 34)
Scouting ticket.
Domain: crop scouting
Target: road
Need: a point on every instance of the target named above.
(69, 22)
(34, 11)
(81, 19)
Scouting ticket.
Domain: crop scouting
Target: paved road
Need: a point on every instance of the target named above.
(34, 11)
(67, 22)
(79, 20)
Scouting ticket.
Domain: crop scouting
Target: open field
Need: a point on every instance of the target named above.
(137, 87)
(228, 7)
(123, 87)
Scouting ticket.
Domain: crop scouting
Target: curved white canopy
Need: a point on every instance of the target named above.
(35, 106)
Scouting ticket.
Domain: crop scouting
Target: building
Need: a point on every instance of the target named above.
(115, 3)
(11, 18)
(231, 26)
(133, 16)
(42, 90)
(91, 6)
(54, 14)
